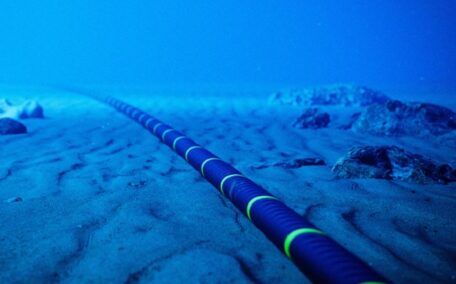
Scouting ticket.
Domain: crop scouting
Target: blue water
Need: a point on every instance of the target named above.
(387, 44)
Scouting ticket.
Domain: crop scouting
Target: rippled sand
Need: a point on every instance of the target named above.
(103, 200)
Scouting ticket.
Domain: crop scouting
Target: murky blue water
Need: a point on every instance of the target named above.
(384, 44)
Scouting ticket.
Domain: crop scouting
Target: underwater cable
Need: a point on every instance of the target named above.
(319, 257)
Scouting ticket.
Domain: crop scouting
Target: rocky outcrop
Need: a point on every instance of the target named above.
(312, 118)
(11, 126)
(395, 118)
(392, 163)
(29, 109)
(340, 95)
(448, 139)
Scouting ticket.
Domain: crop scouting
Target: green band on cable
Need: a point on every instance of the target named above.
(291, 236)
(156, 126)
(225, 179)
(255, 199)
(129, 110)
(135, 114)
(175, 141)
(165, 132)
(148, 121)
(205, 162)
(189, 150)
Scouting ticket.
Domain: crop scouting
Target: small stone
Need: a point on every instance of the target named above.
(311, 118)
(14, 199)
(11, 126)
(393, 163)
(31, 109)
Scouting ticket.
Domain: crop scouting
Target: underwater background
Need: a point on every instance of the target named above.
(407, 44)
(326, 128)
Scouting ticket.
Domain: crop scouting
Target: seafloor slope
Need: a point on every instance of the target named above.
(103, 200)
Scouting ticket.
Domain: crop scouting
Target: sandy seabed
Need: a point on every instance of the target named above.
(105, 201)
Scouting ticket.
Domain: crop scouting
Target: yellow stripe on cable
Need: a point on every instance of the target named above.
(156, 126)
(227, 178)
(189, 150)
(166, 132)
(148, 121)
(291, 236)
(255, 199)
(129, 108)
(205, 162)
(176, 140)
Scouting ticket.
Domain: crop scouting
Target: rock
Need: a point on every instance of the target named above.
(448, 139)
(395, 118)
(14, 199)
(311, 118)
(296, 163)
(392, 163)
(11, 126)
(340, 95)
(29, 109)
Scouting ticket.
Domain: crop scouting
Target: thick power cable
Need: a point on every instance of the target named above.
(319, 257)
